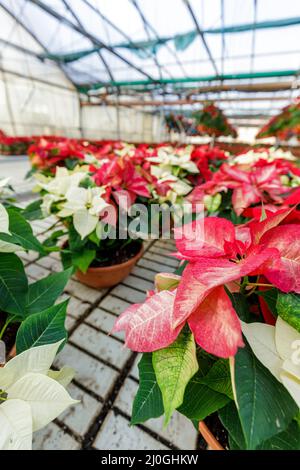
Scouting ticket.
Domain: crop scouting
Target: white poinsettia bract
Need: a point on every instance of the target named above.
(278, 349)
(31, 396)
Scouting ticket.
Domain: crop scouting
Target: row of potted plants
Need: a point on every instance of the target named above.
(95, 201)
(209, 333)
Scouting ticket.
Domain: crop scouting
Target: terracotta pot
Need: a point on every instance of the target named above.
(208, 436)
(12, 353)
(108, 276)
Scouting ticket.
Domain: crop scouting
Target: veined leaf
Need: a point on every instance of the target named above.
(201, 401)
(45, 396)
(218, 378)
(288, 307)
(148, 401)
(21, 233)
(286, 440)
(82, 259)
(16, 425)
(43, 293)
(265, 406)
(33, 211)
(241, 306)
(174, 367)
(43, 328)
(13, 285)
(230, 419)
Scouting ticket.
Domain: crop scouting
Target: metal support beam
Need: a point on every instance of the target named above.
(267, 87)
(38, 80)
(160, 103)
(70, 9)
(181, 80)
(90, 36)
(150, 27)
(147, 28)
(31, 33)
(22, 49)
(201, 34)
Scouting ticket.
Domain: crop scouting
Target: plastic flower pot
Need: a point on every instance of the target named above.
(108, 276)
(208, 436)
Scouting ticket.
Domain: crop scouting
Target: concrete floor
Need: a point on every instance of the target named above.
(16, 168)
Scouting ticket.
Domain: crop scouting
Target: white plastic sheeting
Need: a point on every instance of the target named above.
(126, 123)
(35, 98)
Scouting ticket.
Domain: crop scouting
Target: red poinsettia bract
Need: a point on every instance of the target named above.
(121, 176)
(261, 184)
(219, 257)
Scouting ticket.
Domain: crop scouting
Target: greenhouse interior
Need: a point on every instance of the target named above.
(150, 206)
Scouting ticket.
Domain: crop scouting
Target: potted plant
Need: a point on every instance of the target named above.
(284, 125)
(220, 339)
(26, 307)
(32, 330)
(212, 121)
(91, 216)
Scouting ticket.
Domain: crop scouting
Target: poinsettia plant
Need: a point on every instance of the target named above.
(238, 187)
(284, 125)
(14, 145)
(212, 121)
(180, 123)
(32, 329)
(170, 169)
(27, 310)
(209, 347)
(89, 206)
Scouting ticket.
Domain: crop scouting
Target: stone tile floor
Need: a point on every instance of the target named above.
(106, 372)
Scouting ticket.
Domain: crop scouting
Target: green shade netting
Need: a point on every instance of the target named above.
(145, 49)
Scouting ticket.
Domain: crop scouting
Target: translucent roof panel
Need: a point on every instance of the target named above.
(100, 30)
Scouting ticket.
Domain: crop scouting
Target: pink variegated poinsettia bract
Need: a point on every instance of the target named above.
(219, 257)
(259, 183)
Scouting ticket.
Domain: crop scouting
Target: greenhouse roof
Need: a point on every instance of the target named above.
(169, 47)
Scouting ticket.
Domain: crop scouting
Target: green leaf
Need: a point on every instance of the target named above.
(43, 293)
(21, 233)
(33, 211)
(181, 268)
(148, 401)
(174, 367)
(52, 240)
(13, 285)
(288, 308)
(270, 297)
(265, 406)
(82, 259)
(241, 306)
(286, 440)
(218, 378)
(201, 401)
(66, 259)
(230, 419)
(46, 327)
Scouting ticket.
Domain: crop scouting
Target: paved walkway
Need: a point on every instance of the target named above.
(106, 372)
(17, 167)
